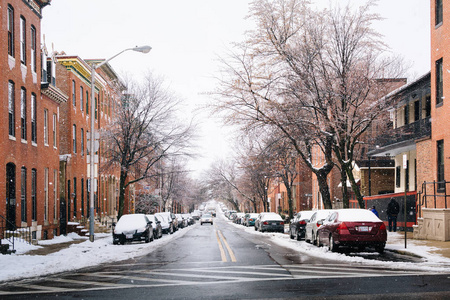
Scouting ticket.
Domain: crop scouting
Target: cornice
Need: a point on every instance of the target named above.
(54, 93)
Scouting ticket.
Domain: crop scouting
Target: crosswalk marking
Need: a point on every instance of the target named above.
(143, 277)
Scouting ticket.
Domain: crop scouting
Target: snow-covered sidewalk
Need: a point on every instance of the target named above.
(77, 256)
(430, 260)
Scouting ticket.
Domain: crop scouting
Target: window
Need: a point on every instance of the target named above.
(95, 112)
(33, 119)
(46, 194)
(398, 176)
(11, 109)
(82, 142)
(23, 112)
(74, 138)
(33, 195)
(439, 12)
(440, 165)
(33, 48)
(46, 127)
(428, 107)
(74, 98)
(439, 82)
(44, 77)
(81, 98)
(23, 194)
(416, 111)
(87, 102)
(54, 130)
(406, 116)
(23, 35)
(10, 20)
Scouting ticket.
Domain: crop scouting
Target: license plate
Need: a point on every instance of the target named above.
(363, 228)
(129, 236)
(274, 224)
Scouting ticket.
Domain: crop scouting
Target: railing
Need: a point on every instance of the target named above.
(433, 195)
(19, 233)
(412, 131)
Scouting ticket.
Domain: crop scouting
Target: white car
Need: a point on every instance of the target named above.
(165, 224)
(206, 218)
(312, 225)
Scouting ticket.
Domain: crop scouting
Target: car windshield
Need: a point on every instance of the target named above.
(206, 216)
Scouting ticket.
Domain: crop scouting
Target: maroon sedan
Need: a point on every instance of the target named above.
(352, 228)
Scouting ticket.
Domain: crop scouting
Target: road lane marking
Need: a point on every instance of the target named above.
(230, 252)
(222, 251)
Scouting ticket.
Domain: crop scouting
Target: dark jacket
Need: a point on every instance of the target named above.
(393, 208)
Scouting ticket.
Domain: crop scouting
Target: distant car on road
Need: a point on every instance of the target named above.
(206, 218)
(353, 228)
(132, 227)
(297, 226)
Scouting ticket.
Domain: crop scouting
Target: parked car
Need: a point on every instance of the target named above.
(156, 224)
(166, 224)
(352, 228)
(269, 222)
(206, 218)
(196, 215)
(237, 219)
(313, 225)
(172, 219)
(132, 227)
(258, 219)
(189, 218)
(182, 223)
(297, 225)
(250, 219)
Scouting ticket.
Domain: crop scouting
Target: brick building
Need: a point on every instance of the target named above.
(28, 154)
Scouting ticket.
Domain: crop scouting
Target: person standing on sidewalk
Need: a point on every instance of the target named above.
(392, 211)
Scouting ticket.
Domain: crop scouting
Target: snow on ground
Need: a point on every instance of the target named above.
(77, 256)
(430, 261)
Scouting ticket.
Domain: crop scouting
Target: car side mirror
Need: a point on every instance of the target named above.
(114, 224)
(158, 222)
(149, 222)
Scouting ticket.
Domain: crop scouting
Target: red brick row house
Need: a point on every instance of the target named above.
(45, 123)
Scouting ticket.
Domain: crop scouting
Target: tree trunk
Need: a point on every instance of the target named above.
(122, 186)
(323, 188)
(356, 189)
(345, 198)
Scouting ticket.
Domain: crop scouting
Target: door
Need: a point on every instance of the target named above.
(11, 196)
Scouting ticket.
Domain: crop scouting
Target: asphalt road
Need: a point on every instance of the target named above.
(221, 261)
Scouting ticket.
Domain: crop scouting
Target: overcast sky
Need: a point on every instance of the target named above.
(187, 37)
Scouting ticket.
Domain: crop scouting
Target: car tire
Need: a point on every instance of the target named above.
(291, 235)
(211, 223)
(298, 236)
(332, 246)
(201, 223)
(314, 239)
(380, 248)
(171, 230)
(256, 229)
(147, 238)
(115, 242)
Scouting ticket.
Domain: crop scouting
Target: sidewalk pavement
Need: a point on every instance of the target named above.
(437, 247)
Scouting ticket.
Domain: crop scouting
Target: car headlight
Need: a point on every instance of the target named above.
(142, 229)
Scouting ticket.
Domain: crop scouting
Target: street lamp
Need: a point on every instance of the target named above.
(93, 185)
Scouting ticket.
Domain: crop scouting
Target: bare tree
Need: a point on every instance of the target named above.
(145, 130)
(314, 75)
(221, 180)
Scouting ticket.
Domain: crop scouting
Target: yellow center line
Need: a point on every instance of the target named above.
(230, 252)
(222, 251)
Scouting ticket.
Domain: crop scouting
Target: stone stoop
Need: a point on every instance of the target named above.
(435, 225)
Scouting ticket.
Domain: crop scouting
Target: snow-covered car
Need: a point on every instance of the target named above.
(258, 219)
(182, 223)
(189, 218)
(206, 218)
(271, 222)
(156, 224)
(166, 225)
(238, 218)
(132, 227)
(297, 226)
(314, 224)
(353, 228)
(172, 219)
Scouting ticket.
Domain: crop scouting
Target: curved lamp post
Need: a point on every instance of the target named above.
(93, 183)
